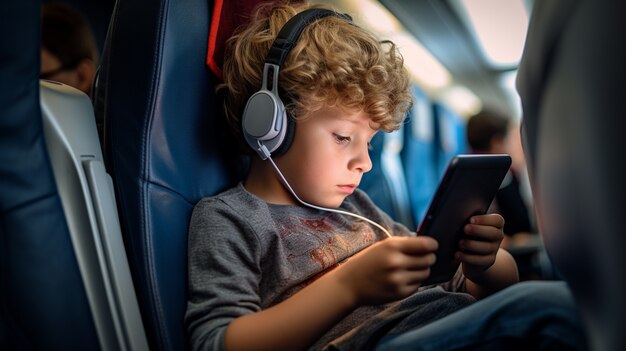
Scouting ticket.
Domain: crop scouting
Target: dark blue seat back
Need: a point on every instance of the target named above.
(374, 182)
(42, 297)
(449, 134)
(163, 145)
(419, 155)
(393, 169)
(385, 183)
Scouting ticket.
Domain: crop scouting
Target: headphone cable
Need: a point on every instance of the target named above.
(286, 184)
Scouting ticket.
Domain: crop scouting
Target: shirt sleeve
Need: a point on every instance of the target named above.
(221, 246)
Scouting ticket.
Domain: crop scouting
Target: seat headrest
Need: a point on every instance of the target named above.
(226, 18)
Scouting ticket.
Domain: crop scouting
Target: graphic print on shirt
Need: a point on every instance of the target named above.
(315, 245)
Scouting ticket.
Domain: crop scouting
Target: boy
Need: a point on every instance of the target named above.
(268, 273)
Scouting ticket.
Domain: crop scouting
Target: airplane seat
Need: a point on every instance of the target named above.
(374, 182)
(419, 155)
(88, 201)
(43, 301)
(394, 172)
(571, 81)
(164, 146)
(385, 183)
(449, 136)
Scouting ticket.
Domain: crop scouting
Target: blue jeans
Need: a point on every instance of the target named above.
(534, 315)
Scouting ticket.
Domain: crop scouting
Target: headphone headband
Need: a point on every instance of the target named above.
(290, 32)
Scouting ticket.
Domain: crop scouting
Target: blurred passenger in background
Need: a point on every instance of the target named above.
(69, 53)
(490, 132)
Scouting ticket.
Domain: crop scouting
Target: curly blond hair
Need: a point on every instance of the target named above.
(333, 63)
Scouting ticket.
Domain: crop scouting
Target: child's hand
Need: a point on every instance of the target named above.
(479, 248)
(388, 270)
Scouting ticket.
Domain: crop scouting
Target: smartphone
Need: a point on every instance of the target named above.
(467, 188)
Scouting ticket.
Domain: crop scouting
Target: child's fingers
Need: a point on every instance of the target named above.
(476, 260)
(492, 219)
(483, 232)
(416, 277)
(416, 245)
(414, 263)
(478, 247)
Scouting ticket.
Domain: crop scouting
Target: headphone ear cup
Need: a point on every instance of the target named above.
(264, 123)
(289, 135)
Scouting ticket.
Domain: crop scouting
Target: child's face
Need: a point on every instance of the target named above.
(329, 155)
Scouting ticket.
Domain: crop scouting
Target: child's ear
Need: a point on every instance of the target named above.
(85, 72)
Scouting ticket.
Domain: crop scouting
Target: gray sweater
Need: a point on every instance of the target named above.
(246, 255)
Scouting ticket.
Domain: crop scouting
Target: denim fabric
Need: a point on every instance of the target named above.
(535, 315)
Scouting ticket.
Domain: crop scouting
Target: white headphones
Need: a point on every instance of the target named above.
(265, 124)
